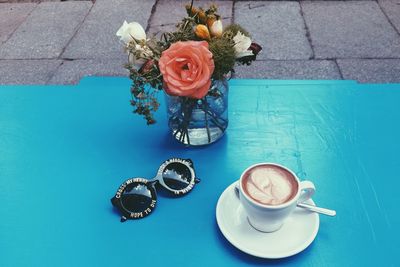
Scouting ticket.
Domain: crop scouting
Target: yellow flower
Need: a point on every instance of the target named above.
(196, 12)
(202, 32)
(202, 16)
(210, 20)
(191, 12)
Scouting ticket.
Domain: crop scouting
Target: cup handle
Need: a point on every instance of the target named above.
(307, 189)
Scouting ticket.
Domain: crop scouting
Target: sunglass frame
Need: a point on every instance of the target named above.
(150, 184)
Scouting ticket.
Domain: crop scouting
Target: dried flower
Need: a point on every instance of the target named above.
(255, 48)
(134, 61)
(202, 32)
(147, 66)
(138, 54)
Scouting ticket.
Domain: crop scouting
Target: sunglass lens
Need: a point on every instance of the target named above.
(138, 199)
(177, 176)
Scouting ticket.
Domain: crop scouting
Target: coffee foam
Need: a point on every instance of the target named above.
(270, 185)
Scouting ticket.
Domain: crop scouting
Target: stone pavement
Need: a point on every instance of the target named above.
(58, 42)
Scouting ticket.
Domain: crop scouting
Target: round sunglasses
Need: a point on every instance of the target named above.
(136, 198)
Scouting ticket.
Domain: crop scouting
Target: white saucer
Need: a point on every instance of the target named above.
(297, 233)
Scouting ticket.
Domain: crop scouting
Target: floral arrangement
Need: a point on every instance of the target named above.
(183, 62)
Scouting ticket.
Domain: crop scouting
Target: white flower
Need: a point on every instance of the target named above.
(216, 28)
(242, 44)
(130, 31)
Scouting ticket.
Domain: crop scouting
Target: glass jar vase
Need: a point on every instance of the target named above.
(196, 122)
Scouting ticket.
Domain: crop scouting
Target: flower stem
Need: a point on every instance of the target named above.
(204, 102)
(183, 118)
(187, 105)
(214, 117)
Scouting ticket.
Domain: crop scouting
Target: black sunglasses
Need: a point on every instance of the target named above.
(136, 197)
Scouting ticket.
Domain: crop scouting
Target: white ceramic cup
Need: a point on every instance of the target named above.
(269, 218)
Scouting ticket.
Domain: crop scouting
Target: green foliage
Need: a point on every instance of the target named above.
(224, 56)
(231, 30)
(184, 32)
(144, 91)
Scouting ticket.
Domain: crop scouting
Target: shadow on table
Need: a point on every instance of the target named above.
(168, 142)
(246, 258)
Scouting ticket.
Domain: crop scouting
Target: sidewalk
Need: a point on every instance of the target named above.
(58, 42)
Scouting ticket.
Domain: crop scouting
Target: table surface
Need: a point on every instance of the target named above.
(64, 151)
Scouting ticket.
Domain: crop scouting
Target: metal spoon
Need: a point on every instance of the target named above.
(304, 206)
(316, 209)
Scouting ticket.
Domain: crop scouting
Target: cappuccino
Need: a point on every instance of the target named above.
(269, 184)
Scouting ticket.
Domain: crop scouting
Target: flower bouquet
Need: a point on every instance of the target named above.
(191, 65)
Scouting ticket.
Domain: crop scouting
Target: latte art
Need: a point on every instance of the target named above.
(270, 185)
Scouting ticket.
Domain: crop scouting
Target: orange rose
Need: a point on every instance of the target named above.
(187, 68)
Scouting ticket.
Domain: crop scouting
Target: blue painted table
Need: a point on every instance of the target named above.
(64, 150)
